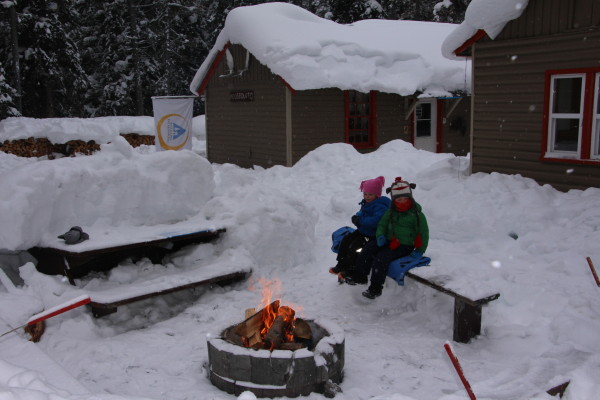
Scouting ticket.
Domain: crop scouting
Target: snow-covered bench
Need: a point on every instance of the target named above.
(104, 252)
(464, 284)
(467, 303)
(106, 301)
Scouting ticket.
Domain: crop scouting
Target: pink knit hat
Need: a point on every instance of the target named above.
(373, 186)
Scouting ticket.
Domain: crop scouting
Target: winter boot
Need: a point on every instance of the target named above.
(355, 279)
(335, 270)
(372, 292)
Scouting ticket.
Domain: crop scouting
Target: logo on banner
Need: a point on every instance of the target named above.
(172, 133)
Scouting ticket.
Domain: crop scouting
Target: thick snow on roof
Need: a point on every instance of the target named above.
(310, 52)
(488, 15)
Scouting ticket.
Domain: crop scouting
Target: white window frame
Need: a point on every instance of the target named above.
(594, 151)
(553, 117)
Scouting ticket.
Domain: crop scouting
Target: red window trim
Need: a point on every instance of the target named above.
(372, 121)
(586, 123)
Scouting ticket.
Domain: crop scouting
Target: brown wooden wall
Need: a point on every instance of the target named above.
(245, 133)
(391, 121)
(509, 89)
(317, 119)
(456, 138)
(549, 17)
(248, 133)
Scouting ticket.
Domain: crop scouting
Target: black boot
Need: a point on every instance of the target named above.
(373, 291)
(355, 278)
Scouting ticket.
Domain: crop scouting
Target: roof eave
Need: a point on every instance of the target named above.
(212, 69)
(464, 49)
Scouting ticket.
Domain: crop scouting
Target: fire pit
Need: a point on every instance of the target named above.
(273, 354)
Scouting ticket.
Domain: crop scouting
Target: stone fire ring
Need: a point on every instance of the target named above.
(280, 373)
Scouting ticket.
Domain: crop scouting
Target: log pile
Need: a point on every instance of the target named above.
(135, 139)
(42, 147)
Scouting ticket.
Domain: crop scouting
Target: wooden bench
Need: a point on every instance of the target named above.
(467, 308)
(104, 302)
(75, 261)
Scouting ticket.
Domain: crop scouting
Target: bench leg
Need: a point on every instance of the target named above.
(98, 312)
(467, 321)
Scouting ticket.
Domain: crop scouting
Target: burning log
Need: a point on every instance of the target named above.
(302, 329)
(274, 336)
(273, 327)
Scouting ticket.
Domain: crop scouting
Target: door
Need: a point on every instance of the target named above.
(425, 128)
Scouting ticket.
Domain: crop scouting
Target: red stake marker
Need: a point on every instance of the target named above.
(59, 309)
(459, 371)
(589, 260)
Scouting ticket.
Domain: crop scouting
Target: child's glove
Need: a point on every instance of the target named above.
(416, 254)
(381, 240)
(394, 244)
(356, 220)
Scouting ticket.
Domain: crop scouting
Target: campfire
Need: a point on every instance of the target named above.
(275, 327)
(273, 353)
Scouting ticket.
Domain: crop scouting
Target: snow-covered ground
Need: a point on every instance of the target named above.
(541, 332)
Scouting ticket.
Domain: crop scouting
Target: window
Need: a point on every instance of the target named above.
(572, 123)
(423, 120)
(360, 118)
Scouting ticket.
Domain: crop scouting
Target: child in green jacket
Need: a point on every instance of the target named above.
(402, 231)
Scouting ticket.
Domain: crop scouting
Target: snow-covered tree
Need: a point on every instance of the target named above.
(450, 11)
(52, 79)
(7, 94)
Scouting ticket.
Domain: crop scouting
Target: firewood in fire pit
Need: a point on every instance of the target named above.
(302, 329)
(249, 312)
(274, 337)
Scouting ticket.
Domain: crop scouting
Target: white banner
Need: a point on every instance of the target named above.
(173, 122)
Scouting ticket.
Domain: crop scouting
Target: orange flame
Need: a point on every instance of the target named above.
(272, 309)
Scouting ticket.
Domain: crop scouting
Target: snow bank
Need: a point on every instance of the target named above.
(100, 129)
(46, 198)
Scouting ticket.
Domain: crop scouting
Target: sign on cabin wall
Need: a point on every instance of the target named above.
(241, 95)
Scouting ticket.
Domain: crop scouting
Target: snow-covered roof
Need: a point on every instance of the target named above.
(310, 52)
(489, 16)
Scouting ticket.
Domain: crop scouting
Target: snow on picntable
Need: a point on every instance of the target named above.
(504, 232)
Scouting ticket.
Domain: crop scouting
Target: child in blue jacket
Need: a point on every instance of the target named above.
(372, 208)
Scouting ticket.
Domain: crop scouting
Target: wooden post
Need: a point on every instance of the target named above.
(589, 260)
(467, 321)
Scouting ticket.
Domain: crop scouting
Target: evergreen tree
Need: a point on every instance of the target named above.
(176, 42)
(7, 94)
(452, 11)
(348, 11)
(111, 57)
(52, 78)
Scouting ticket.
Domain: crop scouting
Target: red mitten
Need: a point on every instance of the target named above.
(394, 244)
(418, 241)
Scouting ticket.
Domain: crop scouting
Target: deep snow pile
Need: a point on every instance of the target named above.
(540, 333)
(106, 189)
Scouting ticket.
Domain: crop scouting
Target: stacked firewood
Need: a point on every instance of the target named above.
(135, 139)
(41, 147)
(32, 147)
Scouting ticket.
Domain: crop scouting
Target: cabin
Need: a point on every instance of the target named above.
(280, 82)
(535, 91)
